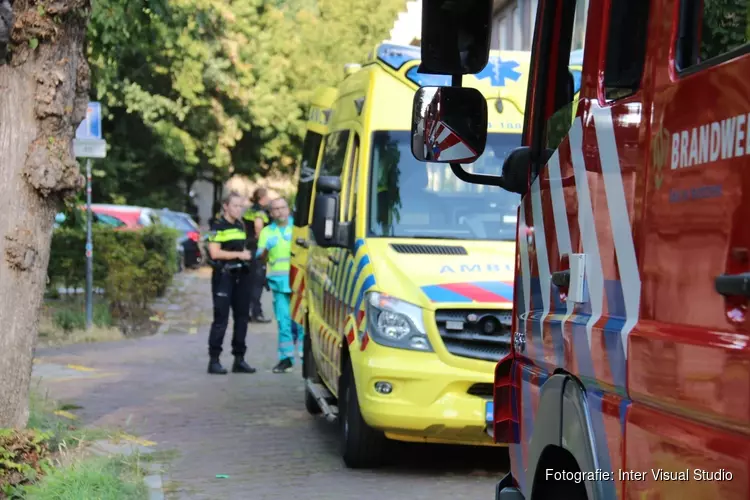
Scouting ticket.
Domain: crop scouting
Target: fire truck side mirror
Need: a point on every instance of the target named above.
(449, 125)
(455, 36)
(516, 170)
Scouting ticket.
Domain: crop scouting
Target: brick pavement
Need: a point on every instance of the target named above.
(253, 428)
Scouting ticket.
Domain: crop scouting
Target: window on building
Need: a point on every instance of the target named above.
(310, 150)
(626, 48)
(712, 30)
(515, 16)
(530, 21)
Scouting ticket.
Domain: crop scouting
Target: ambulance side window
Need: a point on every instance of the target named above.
(712, 31)
(334, 154)
(626, 48)
(310, 151)
(350, 197)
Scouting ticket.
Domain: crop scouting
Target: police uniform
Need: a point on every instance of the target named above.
(278, 242)
(257, 267)
(230, 286)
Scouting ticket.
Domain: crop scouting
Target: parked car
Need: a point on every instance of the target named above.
(133, 217)
(188, 243)
(101, 219)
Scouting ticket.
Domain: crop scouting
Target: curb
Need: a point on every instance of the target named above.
(155, 483)
(153, 480)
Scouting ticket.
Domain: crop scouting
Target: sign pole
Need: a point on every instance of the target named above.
(88, 143)
(89, 252)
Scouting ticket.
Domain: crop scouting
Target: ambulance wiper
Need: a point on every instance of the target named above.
(421, 237)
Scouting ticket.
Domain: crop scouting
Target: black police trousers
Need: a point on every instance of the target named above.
(258, 281)
(231, 290)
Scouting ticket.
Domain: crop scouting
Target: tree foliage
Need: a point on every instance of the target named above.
(200, 89)
(725, 26)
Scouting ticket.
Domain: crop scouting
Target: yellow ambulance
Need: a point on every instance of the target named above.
(405, 294)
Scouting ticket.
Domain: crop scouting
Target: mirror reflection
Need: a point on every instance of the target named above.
(449, 124)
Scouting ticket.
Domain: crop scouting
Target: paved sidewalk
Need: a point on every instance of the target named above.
(251, 428)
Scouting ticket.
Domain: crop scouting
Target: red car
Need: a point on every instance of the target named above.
(133, 217)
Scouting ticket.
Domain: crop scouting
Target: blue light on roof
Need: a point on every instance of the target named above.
(498, 71)
(424, 80)
(396, 55)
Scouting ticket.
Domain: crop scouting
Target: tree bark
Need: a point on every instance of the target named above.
(43, 98)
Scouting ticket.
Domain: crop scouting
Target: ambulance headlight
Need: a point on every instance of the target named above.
(395, 323)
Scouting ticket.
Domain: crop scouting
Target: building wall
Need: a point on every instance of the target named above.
(513, 24)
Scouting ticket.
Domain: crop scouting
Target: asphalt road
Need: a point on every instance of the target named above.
(252, 428)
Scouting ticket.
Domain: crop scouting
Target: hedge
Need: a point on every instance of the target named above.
(132, 267)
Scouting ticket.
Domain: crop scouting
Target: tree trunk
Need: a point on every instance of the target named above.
(43, 98)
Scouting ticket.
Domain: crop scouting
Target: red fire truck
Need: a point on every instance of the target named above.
(629, 374)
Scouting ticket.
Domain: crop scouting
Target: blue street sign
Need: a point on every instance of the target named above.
(91, 126)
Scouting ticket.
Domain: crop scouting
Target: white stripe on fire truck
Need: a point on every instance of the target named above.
(540, 244)
(619, 219)
(594, 278)
(560, 213)
(444, 133)
(525, 271)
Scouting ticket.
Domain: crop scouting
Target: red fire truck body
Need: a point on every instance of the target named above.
(630, 370)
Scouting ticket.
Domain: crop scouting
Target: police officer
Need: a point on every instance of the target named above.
(256, 218)
(230, 285)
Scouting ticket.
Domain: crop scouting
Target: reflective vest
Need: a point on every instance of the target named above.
(254, 212)
(230, 236)
(278, 241)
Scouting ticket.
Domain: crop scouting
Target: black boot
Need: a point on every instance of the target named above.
(215, 368)
(284, 366)
(260, 319)
(240, 366)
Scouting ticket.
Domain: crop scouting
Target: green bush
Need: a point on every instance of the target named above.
(133, 267)
(70, 315)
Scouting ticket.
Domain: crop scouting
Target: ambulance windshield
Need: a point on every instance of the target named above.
(411, 199)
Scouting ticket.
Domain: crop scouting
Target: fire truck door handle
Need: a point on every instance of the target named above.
(302, 242)
(561, 278)
(733, 285)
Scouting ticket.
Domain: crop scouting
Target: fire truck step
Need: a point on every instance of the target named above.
(324, 398)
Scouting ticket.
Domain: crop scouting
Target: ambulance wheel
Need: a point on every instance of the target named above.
(309, 372)
(361, 445)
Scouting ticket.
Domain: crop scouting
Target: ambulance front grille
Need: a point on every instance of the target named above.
(463, 335)
(429, 249)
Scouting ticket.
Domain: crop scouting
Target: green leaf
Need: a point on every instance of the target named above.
(33, 43)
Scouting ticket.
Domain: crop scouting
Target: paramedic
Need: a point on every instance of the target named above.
(230, 286)
(256, 218)
(275, 247)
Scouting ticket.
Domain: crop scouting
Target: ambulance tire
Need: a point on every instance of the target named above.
(309, 371)
(362, 447)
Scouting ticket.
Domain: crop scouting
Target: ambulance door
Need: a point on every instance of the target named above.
(321, 268)
(689, 364)
(340, 265)
(344, 256)
(301, 230)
